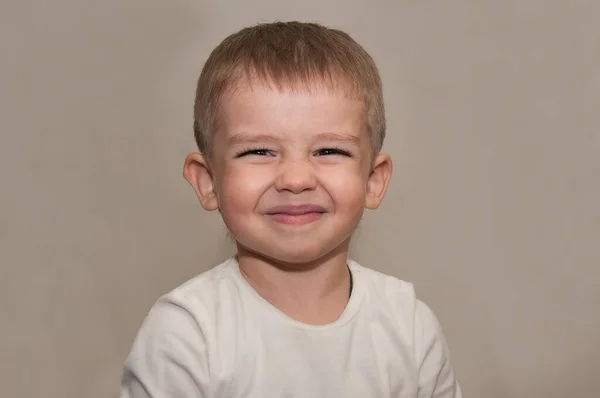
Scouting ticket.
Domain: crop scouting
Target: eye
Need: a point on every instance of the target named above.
(332, 151)
(255, 152)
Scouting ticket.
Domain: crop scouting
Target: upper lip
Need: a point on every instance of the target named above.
(296, 209)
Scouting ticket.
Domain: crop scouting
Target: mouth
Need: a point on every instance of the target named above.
(296, 214)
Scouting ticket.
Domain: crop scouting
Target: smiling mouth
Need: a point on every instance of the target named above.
(296, 215)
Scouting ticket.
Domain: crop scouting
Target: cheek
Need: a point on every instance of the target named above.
(347, 189)
(240, 189)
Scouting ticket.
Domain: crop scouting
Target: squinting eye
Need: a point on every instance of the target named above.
(332, 151)
(257, 152)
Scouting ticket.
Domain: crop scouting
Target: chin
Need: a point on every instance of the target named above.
(293, 256)
(295, 259)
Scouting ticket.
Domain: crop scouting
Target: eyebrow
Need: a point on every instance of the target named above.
(340, 137)
(256, 138)
(245, 138)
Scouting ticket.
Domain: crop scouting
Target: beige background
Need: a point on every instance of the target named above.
(493, 212)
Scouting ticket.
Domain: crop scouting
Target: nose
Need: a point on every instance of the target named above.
(296, 176)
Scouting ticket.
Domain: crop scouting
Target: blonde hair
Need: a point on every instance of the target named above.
(292, 55)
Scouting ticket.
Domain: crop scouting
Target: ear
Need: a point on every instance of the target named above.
(197, 172)
(378, 181)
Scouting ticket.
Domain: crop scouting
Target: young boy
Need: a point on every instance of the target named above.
(289, 120)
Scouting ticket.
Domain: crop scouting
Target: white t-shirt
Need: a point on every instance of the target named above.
(216, 337)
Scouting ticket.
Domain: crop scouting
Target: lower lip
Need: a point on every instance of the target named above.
(296, 219)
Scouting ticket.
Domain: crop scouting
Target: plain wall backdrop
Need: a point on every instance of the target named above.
(493, 211)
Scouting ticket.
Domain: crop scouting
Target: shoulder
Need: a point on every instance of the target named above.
(170, 354)
(394, 302)
(386, 283)
(188, 312)
(390, 294)
(397, 299)
(172, 348)
(205, 286)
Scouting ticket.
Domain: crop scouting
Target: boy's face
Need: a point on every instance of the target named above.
(290, 172)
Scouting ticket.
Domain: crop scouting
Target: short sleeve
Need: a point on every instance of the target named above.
(168, 358)
(436, 374)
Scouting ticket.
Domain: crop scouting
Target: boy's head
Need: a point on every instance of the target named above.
(290, 55)
(289, 121)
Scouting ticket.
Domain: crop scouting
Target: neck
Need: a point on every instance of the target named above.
(314, 293)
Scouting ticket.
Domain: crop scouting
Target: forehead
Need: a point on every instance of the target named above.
(294, 108)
